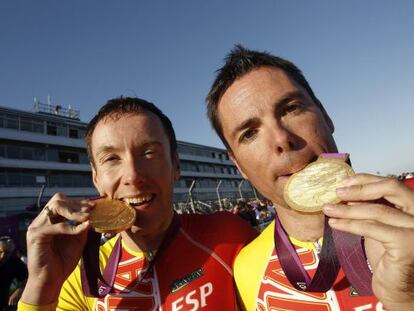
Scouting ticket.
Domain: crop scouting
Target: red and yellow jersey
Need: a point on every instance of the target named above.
(194, 272)
(262, 284)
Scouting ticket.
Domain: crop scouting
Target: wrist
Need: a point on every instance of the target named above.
(39, 293)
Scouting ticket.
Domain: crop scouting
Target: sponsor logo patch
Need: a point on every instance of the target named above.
(179, 284)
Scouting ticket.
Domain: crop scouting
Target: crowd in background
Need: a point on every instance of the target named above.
(259, 213)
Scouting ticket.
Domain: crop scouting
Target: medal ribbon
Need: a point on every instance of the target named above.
(338, 249)
(328, 266)
(97, 284)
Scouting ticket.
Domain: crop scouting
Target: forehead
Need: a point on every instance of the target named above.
(132, 128)
(255, 91)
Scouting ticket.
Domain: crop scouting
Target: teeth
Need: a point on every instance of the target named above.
(138, 200)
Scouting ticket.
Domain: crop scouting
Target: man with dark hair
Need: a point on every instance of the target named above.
(165, 261)
(273, 125)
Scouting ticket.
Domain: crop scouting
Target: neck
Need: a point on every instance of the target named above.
(301, 226)
(139, 240)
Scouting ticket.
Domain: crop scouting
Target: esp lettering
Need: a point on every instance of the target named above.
(195, 299)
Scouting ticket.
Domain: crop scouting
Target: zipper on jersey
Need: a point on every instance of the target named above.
(318, 248)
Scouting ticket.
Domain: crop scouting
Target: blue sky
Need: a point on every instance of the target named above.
(357, 55)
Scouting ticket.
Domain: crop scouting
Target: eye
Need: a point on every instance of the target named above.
(149, 153)
(248, 135)
(110, 159)
(294, 107)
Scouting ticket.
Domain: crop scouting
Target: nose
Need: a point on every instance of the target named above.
(283, 139)
(133, 172)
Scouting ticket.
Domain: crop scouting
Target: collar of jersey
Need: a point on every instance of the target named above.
(132, 252)
(305, 244)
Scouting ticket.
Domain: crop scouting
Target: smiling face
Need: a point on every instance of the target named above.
(273, 128)
(133, 163)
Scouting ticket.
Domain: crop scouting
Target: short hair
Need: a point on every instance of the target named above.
(119, 106)
(8, 243)
(238, 63)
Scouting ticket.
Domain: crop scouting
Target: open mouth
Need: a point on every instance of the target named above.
(139, 200)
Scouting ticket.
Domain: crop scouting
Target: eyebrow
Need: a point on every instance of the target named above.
(288, 97)
(111, 148)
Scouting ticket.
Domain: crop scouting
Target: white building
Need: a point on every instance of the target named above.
(46, 148)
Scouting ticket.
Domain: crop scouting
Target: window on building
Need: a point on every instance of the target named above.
(52, 155)
(12, 122)
(51, 129)
(83, 158)
(38, 126)
(26, 153)
(13, 152)
(84, 181)
(2, 151)
(188, 166)
(67, 181)
(81, 133)
(54, 181)
(68, 157)
(26, 124)
(13, 179)
(27, 180)
(38, 154)
(3, 180)
(61, 130)
(73, 132)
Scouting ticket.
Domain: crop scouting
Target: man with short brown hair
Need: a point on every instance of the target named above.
(164, 261)
(273, 126)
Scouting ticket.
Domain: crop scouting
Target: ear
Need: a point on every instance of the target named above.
(329, 122)
(94, 176)
(233, 158)
(325, 115)
(176, 167)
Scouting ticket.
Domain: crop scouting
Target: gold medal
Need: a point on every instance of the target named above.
(315, 185)
(112, 216)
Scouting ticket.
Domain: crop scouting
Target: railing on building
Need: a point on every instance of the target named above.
(56, 110)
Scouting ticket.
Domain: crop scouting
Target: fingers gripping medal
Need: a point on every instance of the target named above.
(309, 189)
(112, 216)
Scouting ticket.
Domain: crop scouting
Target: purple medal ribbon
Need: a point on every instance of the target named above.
(97, 284)
(328, 266)
(338, 249)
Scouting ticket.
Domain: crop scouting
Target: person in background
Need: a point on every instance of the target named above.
(11, 269)
(273, 125)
